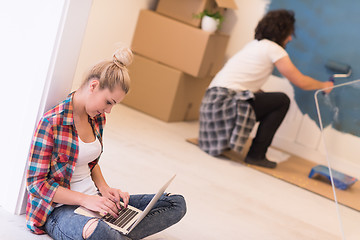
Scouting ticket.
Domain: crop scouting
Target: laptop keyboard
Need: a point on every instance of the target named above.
(125, 216)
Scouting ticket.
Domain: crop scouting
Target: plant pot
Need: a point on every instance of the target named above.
(209, 24)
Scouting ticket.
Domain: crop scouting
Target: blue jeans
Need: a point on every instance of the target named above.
(63, 223)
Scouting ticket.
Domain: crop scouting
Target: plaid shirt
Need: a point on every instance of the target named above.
(52, 159)
(226, 120)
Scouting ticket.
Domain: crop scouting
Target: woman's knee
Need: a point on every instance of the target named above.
(284, 99)
(89, 227)
(179, 202)
(98, 229)
(284, 102)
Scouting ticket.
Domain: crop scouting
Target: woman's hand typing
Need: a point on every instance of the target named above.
(116, 195)
(100, 204)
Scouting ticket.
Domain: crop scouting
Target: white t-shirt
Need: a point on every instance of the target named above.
(81, 179)
(249, 68)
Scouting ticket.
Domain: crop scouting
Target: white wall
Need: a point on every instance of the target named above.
(240, 24)
(111, 23)
(39, 49)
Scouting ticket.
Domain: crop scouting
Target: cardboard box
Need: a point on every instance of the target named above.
(179, 45)
(184, 10)
(163, 92)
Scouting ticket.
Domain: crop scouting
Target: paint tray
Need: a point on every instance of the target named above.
(341, 180)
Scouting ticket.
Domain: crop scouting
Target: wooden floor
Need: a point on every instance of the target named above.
(225, 199)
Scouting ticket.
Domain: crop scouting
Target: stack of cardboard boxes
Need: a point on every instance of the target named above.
(174, 60)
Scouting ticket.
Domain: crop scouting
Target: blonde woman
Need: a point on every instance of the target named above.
(63, 168)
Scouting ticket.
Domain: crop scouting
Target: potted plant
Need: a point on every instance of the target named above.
(210, 22)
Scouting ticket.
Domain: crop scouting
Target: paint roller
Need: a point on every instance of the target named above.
(340, 70)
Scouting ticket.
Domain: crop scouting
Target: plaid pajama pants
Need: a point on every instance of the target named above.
(226, 120)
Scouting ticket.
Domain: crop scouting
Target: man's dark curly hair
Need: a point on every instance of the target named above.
(276, 26)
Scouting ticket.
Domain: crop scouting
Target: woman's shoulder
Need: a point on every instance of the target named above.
(60, 113)
(269, 47)
(268, 43)
(262, 45)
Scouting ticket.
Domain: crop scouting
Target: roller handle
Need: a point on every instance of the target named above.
(331, 79)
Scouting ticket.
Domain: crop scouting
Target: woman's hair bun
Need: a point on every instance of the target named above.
(124, 56)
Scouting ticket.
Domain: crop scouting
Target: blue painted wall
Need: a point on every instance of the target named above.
(327, 30)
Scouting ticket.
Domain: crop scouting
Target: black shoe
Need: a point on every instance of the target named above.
(260, 162)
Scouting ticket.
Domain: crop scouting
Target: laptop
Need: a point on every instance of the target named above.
(129, 217)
